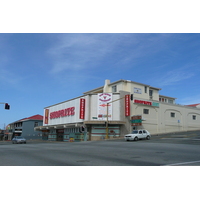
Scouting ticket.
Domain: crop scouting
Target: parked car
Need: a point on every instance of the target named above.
(18, 139)
(138, 134)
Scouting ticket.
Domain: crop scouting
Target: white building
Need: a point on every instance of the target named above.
(132, 105)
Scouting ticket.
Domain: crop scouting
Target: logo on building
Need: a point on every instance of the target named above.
(104, 109)
(105, 97)
(62, 113)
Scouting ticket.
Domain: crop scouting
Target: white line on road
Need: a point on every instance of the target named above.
(180, 138)
(184, 163)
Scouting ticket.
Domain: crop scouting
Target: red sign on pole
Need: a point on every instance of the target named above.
(82, 108)
(136, 120)
(127, 105)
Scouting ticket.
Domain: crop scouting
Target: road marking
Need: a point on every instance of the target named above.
(176, 138)
(184, 163)
(180, 139)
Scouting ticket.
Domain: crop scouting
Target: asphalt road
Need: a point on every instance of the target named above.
(181, 149)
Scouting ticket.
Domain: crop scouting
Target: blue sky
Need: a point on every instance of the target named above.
(39, 70)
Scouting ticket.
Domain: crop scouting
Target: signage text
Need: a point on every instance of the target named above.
(143, 102)
(127, 105)
(82, 109)
(62, 113)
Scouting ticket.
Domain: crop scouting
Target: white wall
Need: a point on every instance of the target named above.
(159, 120)
(91, 110)
(66, 119)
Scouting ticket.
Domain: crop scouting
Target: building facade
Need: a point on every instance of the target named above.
(25, 127)
(114, 110)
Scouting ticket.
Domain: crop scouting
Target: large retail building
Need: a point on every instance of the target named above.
(114, 110)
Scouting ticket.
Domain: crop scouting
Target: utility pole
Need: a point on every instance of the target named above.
(7, 107)
(107, 115)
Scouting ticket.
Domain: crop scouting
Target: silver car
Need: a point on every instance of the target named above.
(18, 139)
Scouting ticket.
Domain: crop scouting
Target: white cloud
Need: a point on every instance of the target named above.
(174, 77)
(80, 51)
(85, 51)
(9, 78)
(194, 99)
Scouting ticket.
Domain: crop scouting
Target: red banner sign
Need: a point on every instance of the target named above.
(46, 119)
(82, 108)
(127, 105)
(143, 102)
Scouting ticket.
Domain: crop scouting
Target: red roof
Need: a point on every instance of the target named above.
(34, 117)
(37, 117)
(194, 105)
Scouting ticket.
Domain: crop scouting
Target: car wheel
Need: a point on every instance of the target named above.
(148, 137)
(136, 138)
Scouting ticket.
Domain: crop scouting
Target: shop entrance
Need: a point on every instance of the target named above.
(45, 134)
(60, 133)
(89, 132)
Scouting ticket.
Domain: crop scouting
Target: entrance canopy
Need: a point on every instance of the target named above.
(103, 122)
(57, 126)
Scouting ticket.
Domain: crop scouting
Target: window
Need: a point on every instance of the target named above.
(114, 88)
(170, 101)
(146, 111)
(194, 117)
(150, 93)
(172, 114)
(36, 124)
(145, 89)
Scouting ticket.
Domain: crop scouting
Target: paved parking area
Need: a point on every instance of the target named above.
(162, 150)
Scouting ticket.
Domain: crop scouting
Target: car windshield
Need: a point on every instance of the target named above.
(19, 137)
(134, 132)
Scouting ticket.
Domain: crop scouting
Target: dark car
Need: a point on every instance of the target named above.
(18, 140)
